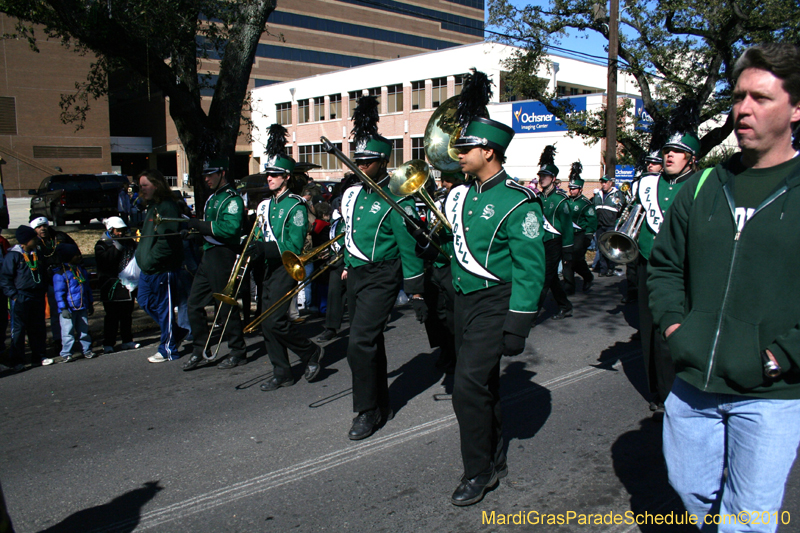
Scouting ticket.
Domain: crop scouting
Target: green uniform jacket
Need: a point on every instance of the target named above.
(160, 254)
(655, 192)
(732, 287)
(284, 220)
(583, 214)
(558, 217)
(225, 210)
(375, 232)
(498, 238)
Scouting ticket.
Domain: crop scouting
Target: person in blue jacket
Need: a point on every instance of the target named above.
(75, 304)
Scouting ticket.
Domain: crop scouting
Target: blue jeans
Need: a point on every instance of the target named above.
(158, 294)
(756, 439)
(74, 328)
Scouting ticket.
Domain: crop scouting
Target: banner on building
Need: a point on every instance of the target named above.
(624, 173)
(533, 117)
(643, 118)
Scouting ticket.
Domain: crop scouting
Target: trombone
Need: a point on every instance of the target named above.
(295, 266)
(409, 179)
(231, 290)
(328, 146)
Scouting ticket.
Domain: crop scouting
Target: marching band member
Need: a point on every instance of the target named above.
(284, 223)
(584, 220)
(221, 229)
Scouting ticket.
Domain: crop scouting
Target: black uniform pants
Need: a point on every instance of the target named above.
(27, 317)
(119, 316)
(337, 288)
(279, 333)
(211, 277)
(578, 264)
(371, 292)
(479, 319)
(603, 264)
(440, 300)
(552, 257)
(655, 351)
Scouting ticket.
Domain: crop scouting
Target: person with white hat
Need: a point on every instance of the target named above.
(114, 254)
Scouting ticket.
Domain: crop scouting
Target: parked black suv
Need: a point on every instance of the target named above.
(81, 197)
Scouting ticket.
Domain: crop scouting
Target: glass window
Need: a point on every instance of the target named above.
(438, 91)
(459, 85)
(283, 113)
(336, 106)
(319, 109)
(397, 153)
(395, 98)
(376, 92)
(354, 96)
(418, 148)
(418, 94)
(303, 111)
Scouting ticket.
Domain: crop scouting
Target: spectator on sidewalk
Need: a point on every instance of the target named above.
(114, 254)
(75, 303)
(22, 279)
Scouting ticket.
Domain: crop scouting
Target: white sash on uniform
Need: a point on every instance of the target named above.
(648, 196)
(454, 208)
(348, 211)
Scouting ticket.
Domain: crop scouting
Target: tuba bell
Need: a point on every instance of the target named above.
(621, 245)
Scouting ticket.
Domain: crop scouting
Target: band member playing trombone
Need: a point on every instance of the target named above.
(498, 273)
(380, 257)
(284, 221)
(221, 229)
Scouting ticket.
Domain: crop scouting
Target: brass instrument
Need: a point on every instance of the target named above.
(328, 146)
(251, 327)
(231, 290)
(296, 264)
(138, 236)
(441, 133)
(620, 245)
(158, 219)
(409, 179)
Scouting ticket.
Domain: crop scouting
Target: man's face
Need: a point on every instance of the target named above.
(762, 111)
(117, 232)
(275, 182)
(146, 188)
(654, 168)
(447, 185)
(213, 180)
(606, 186)
(370, 167)
(675, 161)
(41, 231)
(574, 192)
(545, 180)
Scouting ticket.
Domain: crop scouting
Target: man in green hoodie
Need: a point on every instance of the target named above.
(723, 290)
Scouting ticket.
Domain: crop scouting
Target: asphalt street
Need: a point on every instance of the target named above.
(116, 444)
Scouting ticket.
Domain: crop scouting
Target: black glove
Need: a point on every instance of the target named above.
(200, 225)
(417, 230)
(420, 309)
(513, 344)
(66, 313)
(184, 234)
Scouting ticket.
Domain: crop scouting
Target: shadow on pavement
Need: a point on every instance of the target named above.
(526, 405)
(412, 379)
(120, 515)
(629, 354)
(639, 465)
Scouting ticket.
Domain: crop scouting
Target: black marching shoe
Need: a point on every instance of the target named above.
(313, 367)
(326, 335)
(587, 285)
(274, 383)
(233, 361)
(471, 491)
(365, 424)
(194, 361)
(563, 314)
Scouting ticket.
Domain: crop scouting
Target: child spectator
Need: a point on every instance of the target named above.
(113, 254)
(22, 280)
(74, 298)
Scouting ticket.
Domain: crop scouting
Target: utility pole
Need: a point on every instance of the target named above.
(611, 104)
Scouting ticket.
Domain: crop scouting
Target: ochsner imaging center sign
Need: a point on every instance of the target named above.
(533, 117)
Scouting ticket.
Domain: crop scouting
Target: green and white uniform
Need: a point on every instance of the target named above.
(284, 221)
(584, 217)
(225, 210)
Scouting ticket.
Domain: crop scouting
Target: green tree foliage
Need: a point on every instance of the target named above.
(679, 51)
(166, 43)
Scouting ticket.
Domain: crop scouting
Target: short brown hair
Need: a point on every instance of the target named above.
(159, 181)
(781, 59)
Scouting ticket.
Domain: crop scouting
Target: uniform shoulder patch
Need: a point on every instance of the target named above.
(530, 193)
(531, 225)
(298, 218)
(233, 208)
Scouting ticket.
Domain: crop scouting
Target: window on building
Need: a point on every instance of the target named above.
(418, 94)
(438, 91)
(418, 148)
(283, 113)
(319, 109)
(313, 153)
(336, 106)
(395, 97)
(303, 111)
(376, 92)
(354, 96)
(397, 153)
(459, 85)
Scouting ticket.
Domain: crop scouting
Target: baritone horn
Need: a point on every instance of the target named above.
(620, 245)
(295, 264)
(409, 179)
